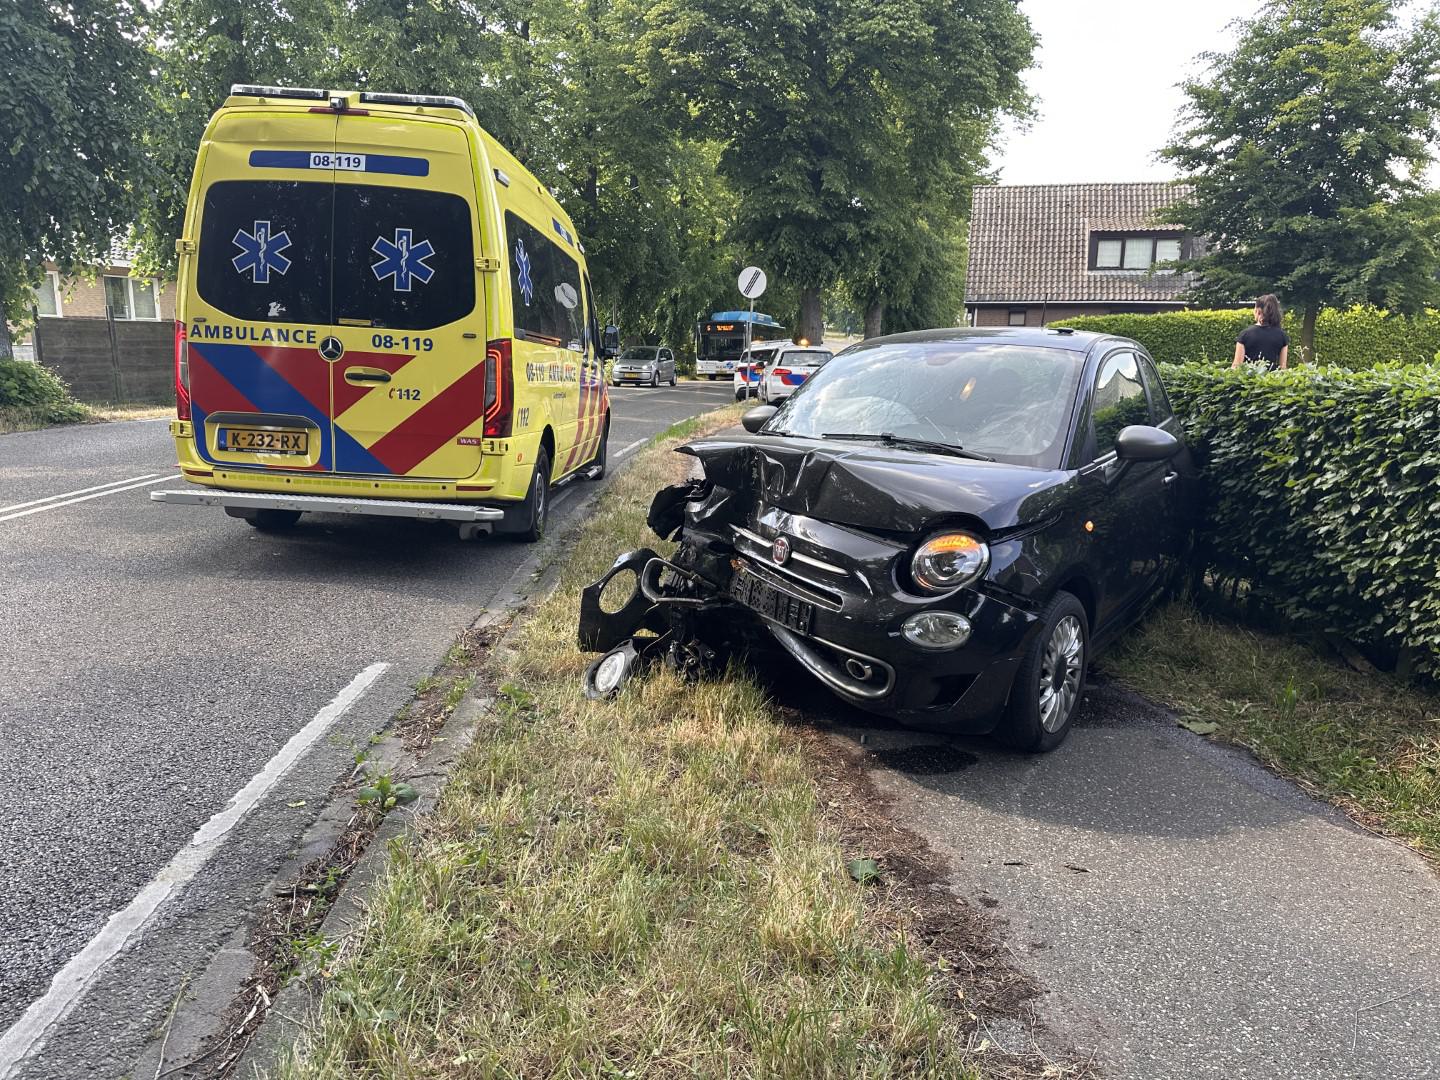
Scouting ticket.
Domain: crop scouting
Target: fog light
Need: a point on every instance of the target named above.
(937, 630)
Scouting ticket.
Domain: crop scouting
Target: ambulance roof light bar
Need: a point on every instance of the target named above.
(436, 101)
(306, 92)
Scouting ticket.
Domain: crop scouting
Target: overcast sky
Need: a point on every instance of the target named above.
(1105, 79)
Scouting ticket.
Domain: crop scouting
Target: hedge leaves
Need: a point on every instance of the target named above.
(1324, 493)
(1357, 337)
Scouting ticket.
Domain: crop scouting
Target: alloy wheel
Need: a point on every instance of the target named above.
(1060, 673)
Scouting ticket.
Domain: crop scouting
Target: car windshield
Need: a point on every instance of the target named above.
(639, 354)
(1010, 402)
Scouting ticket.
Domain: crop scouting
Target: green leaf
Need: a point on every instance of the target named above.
(864, 870)
(1200, 727)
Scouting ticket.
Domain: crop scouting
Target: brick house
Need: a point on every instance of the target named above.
(1042, 252)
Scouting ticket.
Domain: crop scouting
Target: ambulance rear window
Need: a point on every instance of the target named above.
(265, 250)
(403, 258)
(315, 252)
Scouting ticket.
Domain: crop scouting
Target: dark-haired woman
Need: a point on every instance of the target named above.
(1265, 342)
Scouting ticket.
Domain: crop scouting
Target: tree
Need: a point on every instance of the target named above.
(74, 77)
(817, 104)
(1305, 146)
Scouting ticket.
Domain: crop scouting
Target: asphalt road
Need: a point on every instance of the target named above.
(156, 658)
(1188, 914)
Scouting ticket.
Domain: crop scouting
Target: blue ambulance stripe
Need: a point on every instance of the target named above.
(351, 457)
(376, 163)
(242, 367)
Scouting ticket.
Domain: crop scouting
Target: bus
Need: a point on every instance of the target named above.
(720, 340)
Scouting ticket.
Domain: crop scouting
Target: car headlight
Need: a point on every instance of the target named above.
(949, 561)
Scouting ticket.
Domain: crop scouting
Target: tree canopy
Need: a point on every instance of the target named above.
(71, 171)
(1305, 146)
(841, 121)
(833, 141)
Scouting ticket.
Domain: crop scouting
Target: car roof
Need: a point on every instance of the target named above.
(1042, 336)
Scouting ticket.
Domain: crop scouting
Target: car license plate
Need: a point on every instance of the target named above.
(247, 440)
(770, 602)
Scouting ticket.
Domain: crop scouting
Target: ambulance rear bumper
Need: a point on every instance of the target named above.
(325, 504)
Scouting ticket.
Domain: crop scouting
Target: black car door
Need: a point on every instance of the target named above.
(1128, 498)
(1177, 509)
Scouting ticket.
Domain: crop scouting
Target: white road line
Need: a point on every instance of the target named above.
(70, 984)
(80, 491)
(85, 498)
(624, 450)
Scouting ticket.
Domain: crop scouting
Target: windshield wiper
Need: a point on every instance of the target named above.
(891, 439)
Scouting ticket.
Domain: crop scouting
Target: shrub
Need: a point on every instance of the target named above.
(1323, 492)
(37, 393)
(1357, 337)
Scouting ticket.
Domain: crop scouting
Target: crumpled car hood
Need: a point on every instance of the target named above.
(876, 487)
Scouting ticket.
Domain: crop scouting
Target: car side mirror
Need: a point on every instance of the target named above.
(755, 419)
(1141, 442)
(610, 342)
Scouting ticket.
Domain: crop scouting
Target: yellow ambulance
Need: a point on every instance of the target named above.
(380, 311)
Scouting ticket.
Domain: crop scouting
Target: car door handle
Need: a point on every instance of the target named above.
(366, 375)
(1170, 478)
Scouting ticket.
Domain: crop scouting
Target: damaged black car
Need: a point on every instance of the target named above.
(943, 528)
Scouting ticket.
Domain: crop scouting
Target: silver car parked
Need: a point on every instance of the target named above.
(645, 365)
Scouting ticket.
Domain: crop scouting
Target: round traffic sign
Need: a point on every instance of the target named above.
(752, 282)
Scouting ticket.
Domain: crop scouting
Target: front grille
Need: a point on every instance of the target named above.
(787, 581)
(803, 573)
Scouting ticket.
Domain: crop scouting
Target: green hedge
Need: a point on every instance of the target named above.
(37, 394)
(1323, 492)
(1358, 337)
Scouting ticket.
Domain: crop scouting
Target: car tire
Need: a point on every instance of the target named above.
(1050, 683)
(534, 512)
(654, 379)
(674, 379)
(273, 521)
(598, 461)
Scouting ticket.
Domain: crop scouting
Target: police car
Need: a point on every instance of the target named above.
(771, 370)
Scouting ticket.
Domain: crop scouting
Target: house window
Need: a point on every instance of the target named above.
(1017, 316)
(1138, 252)
(128, 298)
(47, 295)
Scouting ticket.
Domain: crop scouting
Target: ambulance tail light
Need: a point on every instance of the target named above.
(499, 389)
(182, 372)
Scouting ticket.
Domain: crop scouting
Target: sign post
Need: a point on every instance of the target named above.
(752, 286)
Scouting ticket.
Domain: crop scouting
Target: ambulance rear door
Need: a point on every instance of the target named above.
(408, 386)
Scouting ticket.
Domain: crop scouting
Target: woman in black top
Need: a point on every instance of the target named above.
(1264, 342)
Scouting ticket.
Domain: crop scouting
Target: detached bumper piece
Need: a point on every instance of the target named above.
(324, 504)
(656, 621)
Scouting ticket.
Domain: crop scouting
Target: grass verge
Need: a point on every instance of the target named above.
(650, 887)
(1368, 742)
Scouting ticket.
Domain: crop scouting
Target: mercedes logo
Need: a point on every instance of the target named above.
(780, 550)
(332, 349)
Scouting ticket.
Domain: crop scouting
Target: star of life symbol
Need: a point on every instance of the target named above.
(403, 260)
(260, 252)
(522, 263)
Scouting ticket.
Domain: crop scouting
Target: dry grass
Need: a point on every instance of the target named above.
(1368, 742)
(132, 412)
(643, 888)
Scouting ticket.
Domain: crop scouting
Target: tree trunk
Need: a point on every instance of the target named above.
(5, 351)
(812, 320)
(1307, 334)
(874, 318)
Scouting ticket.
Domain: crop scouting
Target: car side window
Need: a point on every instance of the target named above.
(1159, 401)
(1118, 401)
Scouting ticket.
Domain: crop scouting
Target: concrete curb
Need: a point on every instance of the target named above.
(207, 1002)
